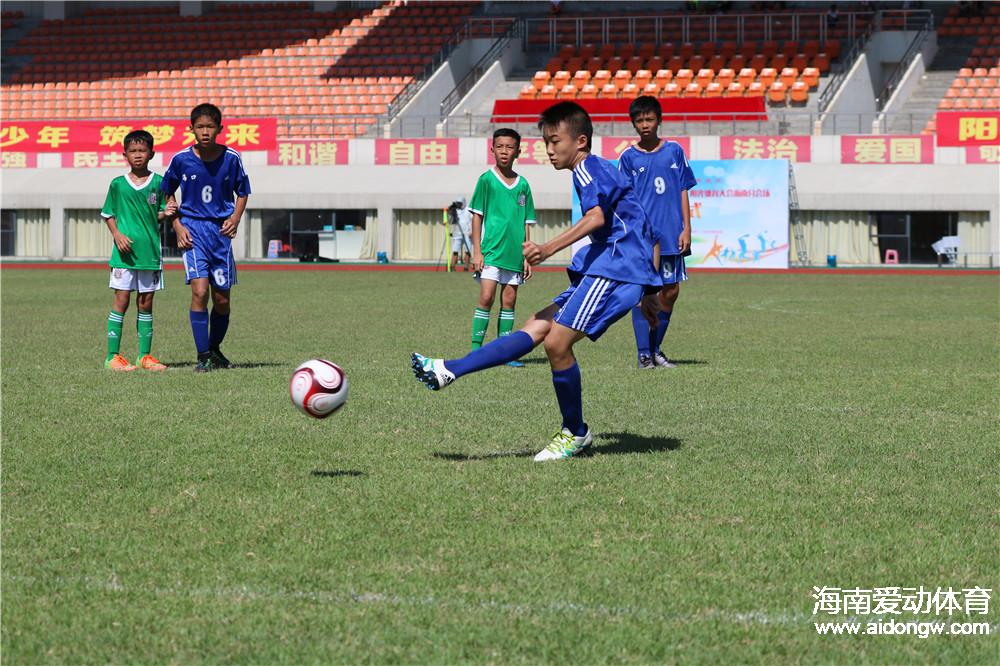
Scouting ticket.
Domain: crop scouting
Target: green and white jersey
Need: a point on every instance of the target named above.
(135, 208)
(505, 210)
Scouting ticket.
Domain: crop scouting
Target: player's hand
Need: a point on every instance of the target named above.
(123, 243)
(183, 236)
(478, 262)
(684, 241)
(528, 272)
(170, 210)
(650, 307)
(534, 253)
(229, 227)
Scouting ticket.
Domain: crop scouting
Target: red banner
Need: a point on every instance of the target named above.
(398, 152)
(328, 152)
(15, 160)
(91, 159)
(791, 148)
(968, 128)
(982, 155)
(887, 149)
(70, 136)
(613, 146)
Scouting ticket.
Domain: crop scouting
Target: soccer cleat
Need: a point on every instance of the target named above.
(205, 363)
(564, 445)
(661, 361)
(431, 372)
(219, 360)
(147, 362)
(515, 364)
(646, 362)
(118, 363)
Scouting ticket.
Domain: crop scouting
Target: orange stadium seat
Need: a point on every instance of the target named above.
(547, 92)
(581, 78)
(725, 77)
(799, 93)
(588, 91)
(683, 77)
(527, 92)
(540, 79)
(671, 90)
(622, 77)
(602, 77)
(630, 91)
(789, 75)
(747, 76)
(642, 78)
(810, 76)
(755, 89)
(560, 79)
(767, 76)
(663, 77)
(705, 76)
(651, 89)
(568, 91)
(692, 90)
(609, 91)
(776, 93)
(713, 89)
(734, 89)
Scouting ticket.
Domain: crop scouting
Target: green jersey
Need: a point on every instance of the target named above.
(505, 210)
(135, 209)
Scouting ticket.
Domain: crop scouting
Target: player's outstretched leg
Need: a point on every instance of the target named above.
(574, 436)
(431, 371)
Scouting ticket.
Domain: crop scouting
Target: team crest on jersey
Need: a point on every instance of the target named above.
(521, 199)
(118, 273)
(151, 198)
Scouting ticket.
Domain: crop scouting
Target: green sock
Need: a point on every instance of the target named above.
(115, 320)
(144, 327)
(506, 323)
(480, 322)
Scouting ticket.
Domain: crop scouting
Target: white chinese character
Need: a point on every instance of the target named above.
(827, 600)
(946, 600)
(887, 600)
(977, 600)
(858, 601)
(916, 600)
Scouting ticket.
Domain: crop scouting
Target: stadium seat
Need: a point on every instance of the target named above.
(767, 76)
(601, 78)
(789, 75)
(776, 93)
(588, 91)
(581, 78)
(642, 77)
(692, 90)
(630, 91)
(527, 92)
(734, 89)
(683, 77)
(547, 92)
(747, 76)
(799, 93)
(609, 91)
(713, 89)
(705, 76)
(568, 91)
(671, 90)
(755, 89)
(540, 79)
(651, 89)
(622, 78)
(725, 77)
(810, 76)
(663, 77)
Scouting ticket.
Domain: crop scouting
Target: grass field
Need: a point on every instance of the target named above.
(821, 430)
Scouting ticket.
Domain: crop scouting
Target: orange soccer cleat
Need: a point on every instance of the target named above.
(147, 362)
(118, 363)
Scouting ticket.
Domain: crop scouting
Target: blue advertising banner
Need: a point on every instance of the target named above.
(739, 214)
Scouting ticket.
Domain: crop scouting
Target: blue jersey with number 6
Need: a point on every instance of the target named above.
(658, 178)
(208, 189)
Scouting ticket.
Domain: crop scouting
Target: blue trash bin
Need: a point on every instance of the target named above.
(831, 260)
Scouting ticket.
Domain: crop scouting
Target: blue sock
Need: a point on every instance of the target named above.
(642, 333)
(661, 328)
(217, 330)
(500, 351)
(199, 328)
(569, 393)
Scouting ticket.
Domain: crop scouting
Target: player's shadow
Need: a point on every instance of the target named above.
(335, 473)
(687, 361)
(234, 366)
(608, 443)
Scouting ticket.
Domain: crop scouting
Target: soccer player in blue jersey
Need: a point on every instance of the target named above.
(210, 176)
(661, 177)
(607, 279)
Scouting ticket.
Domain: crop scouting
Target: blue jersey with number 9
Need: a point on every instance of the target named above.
(658, 178)
(208, 189)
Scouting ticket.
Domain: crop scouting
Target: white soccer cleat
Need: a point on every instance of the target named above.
(431, 372)
(660, 360)
(564, 445)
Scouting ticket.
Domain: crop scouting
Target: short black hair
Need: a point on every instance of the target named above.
(575, 116)
(507, 131)
(138, 136)
(645, 104)
(206, 109)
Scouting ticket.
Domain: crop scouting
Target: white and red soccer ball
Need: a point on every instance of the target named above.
(318, 388)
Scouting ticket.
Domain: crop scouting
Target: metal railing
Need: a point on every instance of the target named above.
(469, 81)
(548, 34)
(923, 23)
(771, 123)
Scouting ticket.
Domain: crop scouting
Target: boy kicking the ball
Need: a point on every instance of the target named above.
(502, 210)
(210, 176)
(607, 279)
(133, 210)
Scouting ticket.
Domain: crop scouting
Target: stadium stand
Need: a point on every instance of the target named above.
(265, 59)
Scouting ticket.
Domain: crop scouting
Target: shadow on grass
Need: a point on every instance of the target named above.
(235, 366)
(608, 443)
(334, 473)
(687, 361)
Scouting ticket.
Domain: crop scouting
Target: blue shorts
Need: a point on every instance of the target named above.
(672, 269)
(211, 255)
(594, 303)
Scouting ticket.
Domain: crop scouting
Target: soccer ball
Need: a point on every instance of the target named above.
(318, 388)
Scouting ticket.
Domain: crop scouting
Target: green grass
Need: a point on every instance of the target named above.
(835, 430)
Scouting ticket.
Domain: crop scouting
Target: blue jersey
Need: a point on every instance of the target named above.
(622, 249)
(659, 177)
(208, 189)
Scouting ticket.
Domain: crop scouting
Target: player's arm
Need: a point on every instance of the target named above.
(169, 210)
(527, 239)
(232, 222)
(477, 235)
(589, 223)
(684, 241)
(122, 242)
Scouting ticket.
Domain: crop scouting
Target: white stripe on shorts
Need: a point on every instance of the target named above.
(593, 306)
(587, 302)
